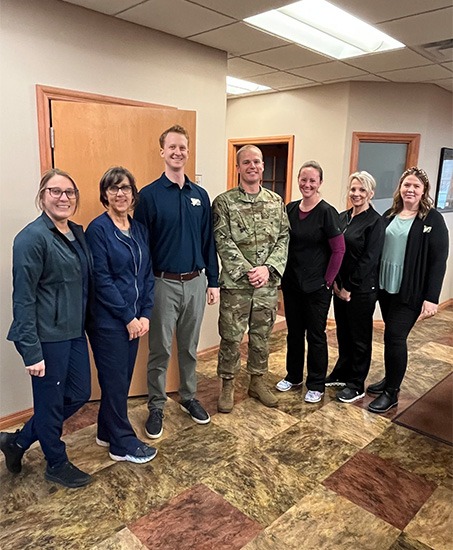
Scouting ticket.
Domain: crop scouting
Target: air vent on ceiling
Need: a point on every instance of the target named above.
(439, 52)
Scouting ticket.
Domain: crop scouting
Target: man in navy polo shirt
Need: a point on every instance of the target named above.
(177, 213)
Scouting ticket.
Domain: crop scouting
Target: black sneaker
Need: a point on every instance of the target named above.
(154, 425)
(349, 395)
(143, 453)
(13, 453)
(331, 382)
(67, 475)
(196, 411)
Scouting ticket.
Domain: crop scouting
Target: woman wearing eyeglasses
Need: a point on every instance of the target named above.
(51, 273)
(120, 310)
(413, 265)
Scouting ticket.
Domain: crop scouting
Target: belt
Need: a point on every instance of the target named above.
(182, 277)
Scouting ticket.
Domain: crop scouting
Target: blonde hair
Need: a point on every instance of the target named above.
(366, 181)
(46, 177)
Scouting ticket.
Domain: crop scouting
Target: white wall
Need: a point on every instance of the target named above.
(58, 44)
(323, 119)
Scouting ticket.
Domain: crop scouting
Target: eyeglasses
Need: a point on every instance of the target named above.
(115, 189)
(56, 192)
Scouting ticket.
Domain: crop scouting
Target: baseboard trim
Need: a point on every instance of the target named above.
(16, 418)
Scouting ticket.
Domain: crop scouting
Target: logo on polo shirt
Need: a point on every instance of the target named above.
(195, 202)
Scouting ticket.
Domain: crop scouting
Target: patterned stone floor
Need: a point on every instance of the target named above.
(324, 476)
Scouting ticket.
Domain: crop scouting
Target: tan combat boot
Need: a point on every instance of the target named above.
(226, 399)
(260, 391)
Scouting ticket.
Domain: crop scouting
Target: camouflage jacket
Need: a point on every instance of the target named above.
(250, 232)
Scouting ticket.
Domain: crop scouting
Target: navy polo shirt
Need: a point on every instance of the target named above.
(179, 221)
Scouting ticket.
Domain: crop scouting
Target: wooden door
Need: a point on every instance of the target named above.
(89, 138)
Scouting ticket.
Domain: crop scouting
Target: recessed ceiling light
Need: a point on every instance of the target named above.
(236, 86)
(321, 26)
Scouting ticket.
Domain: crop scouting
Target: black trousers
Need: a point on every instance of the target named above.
(399, 319)
(115, 355)
(306, 316)
(64, 389)
(354, 320)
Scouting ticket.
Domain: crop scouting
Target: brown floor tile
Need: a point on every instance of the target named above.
(382, 488)
(197, 518)
(84, 417)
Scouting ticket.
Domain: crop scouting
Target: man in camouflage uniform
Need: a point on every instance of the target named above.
(251, 231)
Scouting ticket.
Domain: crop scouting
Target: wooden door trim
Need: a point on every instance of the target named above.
(411, 140)
(233, 143)
(44, 94)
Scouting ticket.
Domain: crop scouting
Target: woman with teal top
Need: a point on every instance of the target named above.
(413, 265)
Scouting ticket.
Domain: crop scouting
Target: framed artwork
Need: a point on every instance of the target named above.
(444, 189)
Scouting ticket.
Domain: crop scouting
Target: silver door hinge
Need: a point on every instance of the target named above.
(52, 137)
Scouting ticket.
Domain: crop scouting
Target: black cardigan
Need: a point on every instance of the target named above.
(425, 260)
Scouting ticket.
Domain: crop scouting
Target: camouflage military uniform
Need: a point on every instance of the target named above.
(249, 232)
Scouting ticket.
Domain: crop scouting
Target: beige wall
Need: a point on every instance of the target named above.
(62, 45)
(323, 119)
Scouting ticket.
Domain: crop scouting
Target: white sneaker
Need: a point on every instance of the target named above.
(102, 443)
(313, 396)
(284, 385)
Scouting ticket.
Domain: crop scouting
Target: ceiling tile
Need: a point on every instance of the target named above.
(241, 68)
(239, 39)
(288, 57)
(421, 29)
(361, 78)
(240, 9)
(418, 74)
(389, 61)
(280, 80)
(375, 11)
(182, 19)
(328, 71)
(110, 7)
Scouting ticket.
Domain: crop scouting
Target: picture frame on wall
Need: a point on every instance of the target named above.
(444, 189)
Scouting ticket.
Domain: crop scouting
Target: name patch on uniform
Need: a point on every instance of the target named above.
(195, 202)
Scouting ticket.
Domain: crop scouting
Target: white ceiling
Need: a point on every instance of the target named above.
(282, 65)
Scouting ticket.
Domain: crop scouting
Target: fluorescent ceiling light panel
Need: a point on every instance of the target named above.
(324, 28)
(237, 86)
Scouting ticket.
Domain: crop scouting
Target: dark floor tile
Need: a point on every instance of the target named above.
(197, 518)
(377, 485)
(404, 542)
(84, 417)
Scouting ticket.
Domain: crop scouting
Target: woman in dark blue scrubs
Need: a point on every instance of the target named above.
(51, 270)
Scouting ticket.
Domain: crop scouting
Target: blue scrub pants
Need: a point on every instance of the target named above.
(115, 355)
(64, 389)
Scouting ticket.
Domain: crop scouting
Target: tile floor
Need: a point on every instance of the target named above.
(324, 476)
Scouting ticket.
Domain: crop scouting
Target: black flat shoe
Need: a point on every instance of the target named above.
(377, 388)
(384, 402)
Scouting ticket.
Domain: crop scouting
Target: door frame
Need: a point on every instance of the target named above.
(237, 143)
(45, 94)
(411, 140)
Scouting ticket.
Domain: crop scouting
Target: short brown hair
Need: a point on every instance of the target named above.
(312, 164)
(247, 147)
(114, 176)
(176, 129)
(45, 180)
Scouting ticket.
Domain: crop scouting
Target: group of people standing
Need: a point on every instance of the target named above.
(154, 272)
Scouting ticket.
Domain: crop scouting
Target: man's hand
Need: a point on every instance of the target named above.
(258, 276)
(212, 295)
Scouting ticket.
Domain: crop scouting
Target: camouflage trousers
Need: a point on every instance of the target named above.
(255, 308)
